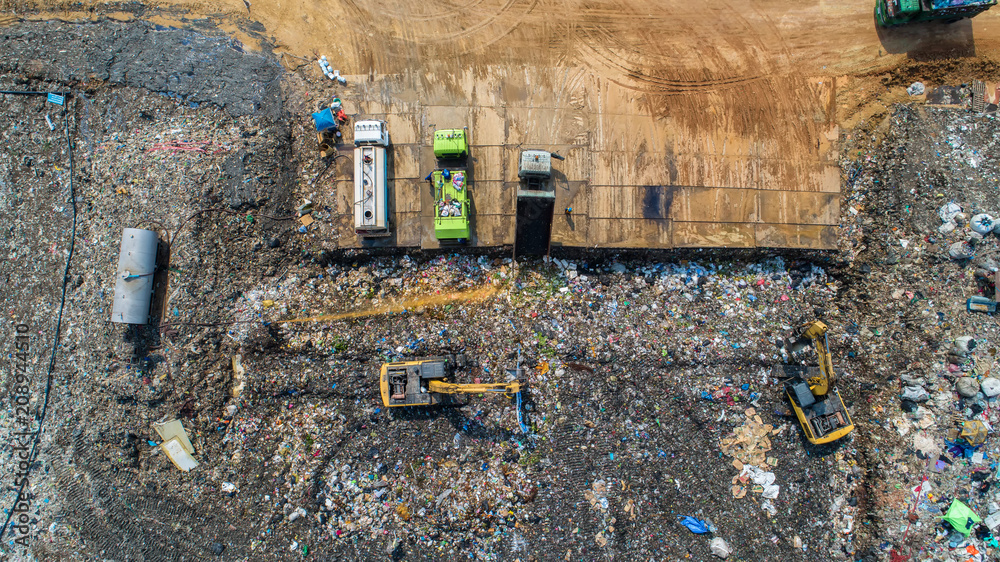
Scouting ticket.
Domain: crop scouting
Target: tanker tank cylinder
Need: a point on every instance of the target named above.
(134, 282)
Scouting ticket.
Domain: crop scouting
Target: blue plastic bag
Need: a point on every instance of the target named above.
(696, 526)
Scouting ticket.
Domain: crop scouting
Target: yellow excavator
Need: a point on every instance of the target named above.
(423, 382)
(818, 407)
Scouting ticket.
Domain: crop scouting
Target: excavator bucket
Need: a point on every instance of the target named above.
(798, 344)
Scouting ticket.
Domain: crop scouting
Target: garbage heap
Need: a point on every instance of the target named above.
(920, 207)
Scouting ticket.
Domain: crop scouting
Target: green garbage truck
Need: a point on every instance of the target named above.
(451, 205)
(450, 186)
(892, 13)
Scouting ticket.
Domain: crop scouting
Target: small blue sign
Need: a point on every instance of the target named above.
(57, 99)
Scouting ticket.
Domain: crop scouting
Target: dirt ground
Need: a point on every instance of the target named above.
(738, 98)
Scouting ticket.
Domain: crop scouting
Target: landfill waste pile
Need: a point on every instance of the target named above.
(653, 423)
(918, 224)
(633, 372)
(749, 448)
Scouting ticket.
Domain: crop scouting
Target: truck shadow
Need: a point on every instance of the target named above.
(929, 41)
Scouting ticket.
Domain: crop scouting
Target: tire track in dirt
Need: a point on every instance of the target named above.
(384, 8)
(723, 62)
(363, 37)
(773, 32)
(637, 55)
(468, 33)
(683, 61)
(444, 34)
(628, 77)
(643, 82)
(479, 46)
(112, 516)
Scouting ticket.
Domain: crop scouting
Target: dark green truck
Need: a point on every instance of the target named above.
(892, 13)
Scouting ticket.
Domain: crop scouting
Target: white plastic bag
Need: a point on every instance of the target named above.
(983, 223)
(720, 548)
(948, 212)
(990, 387)
(960, 251)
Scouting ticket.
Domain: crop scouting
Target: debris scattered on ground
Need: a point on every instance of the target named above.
(657, 422)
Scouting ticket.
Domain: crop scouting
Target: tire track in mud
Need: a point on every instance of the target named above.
(443, 31)
(385, 10)
(634, 57)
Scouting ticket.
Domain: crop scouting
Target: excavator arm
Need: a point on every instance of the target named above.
(441, 387)
(816, 331)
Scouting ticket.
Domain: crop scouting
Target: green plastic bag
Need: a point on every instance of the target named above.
(961, 518)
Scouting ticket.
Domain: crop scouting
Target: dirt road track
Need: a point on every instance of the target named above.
(740, 98)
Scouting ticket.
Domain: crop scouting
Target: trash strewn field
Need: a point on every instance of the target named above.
(654, 423)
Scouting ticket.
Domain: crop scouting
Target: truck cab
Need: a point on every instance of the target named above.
(892, 13)
(371, 132)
